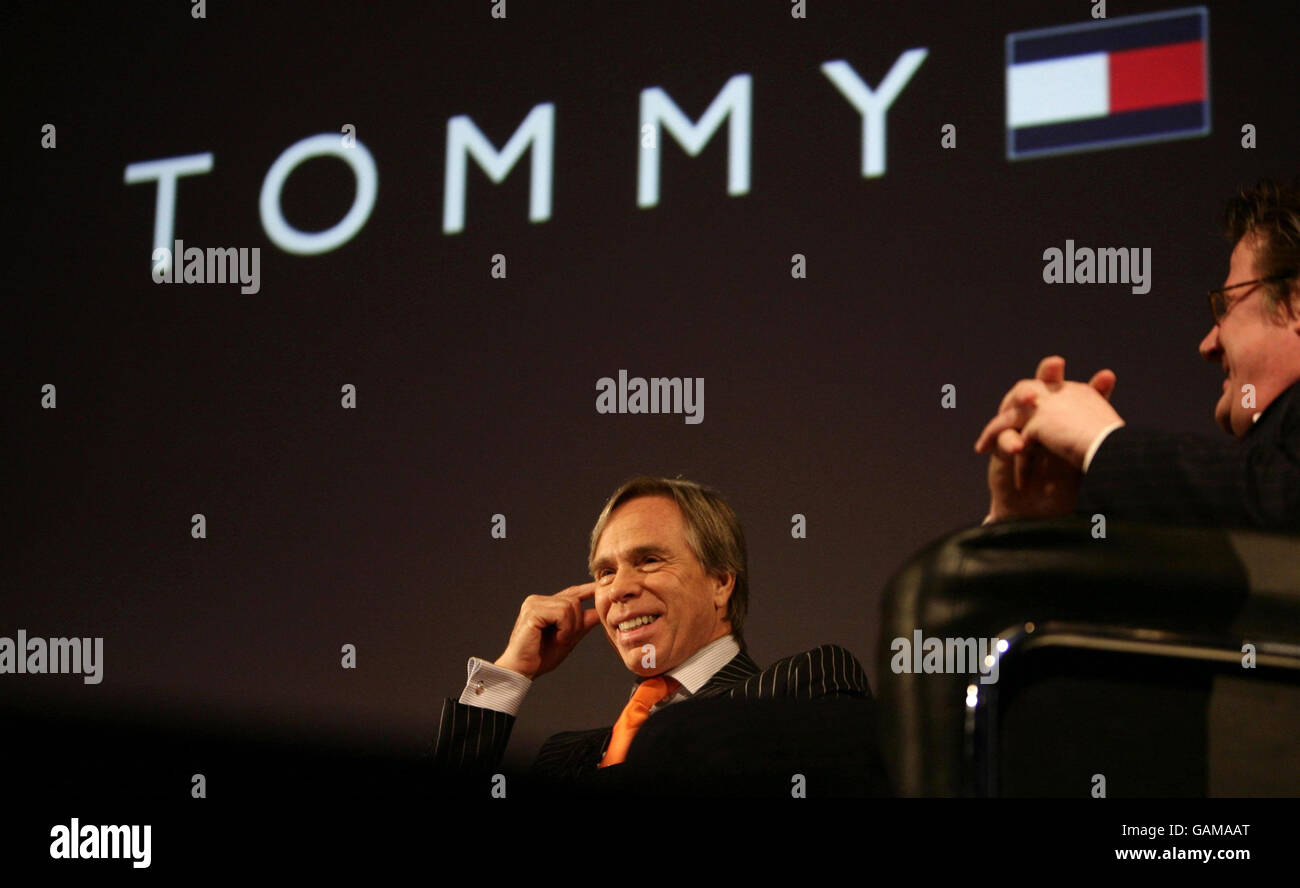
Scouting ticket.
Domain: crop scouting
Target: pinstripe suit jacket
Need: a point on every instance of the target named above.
(472, 739)
(1185, 479)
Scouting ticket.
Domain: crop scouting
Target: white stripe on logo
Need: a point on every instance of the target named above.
(1057, 90)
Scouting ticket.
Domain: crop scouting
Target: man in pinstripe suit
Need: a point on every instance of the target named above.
(669, 589)
(1057, 445)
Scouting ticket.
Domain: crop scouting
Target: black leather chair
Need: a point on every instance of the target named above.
(1119, 658)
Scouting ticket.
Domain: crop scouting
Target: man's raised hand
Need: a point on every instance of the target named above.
(548, 627)
(1063, 416)
(1026, 478)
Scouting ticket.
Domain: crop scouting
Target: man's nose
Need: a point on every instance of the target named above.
(625, 584)
(1209, 347)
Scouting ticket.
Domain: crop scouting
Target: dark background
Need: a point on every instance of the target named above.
(476, 396)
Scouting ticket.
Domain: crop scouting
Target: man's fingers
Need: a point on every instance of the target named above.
(1012, 394)
(1104, 382)
(581, 592)
(576, 624)
(992, 430)
(996, 426)
(1028, 463)
(1051, 369)
(561, 613)
(567, 621)
(1024, 392)
(1010, 442)
(565, 612)
(547, 612)
(1009, 417)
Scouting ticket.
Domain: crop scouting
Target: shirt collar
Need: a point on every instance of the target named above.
(695, 671)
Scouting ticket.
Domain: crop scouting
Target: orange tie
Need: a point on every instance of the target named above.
(637, 710)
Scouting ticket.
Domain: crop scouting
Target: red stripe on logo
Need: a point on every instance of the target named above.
(1156, 76)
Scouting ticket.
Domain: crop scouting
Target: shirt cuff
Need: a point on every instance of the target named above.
(490, 686)
(1096, 443)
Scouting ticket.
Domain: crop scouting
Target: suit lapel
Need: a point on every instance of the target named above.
(739, 668)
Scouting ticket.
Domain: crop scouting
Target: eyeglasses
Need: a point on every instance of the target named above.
(1219, 305)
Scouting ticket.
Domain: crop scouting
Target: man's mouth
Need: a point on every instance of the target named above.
(637, 622)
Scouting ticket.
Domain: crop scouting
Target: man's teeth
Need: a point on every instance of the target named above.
(628, 625)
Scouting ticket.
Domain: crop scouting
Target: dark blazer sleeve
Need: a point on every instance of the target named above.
(470, 739)
(1185, 479)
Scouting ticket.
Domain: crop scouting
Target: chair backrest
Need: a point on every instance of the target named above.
(1164, 661)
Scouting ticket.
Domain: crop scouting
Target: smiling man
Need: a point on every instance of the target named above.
(1056, 445)
(657, 602)
(670, 592)
(1256, 335)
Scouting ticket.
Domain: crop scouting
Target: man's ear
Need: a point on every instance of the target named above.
(1292, 317)
(723, 584)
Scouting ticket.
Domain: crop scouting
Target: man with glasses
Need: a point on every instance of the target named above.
(1056, 446)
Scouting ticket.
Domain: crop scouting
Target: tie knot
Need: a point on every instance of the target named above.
(655, 690)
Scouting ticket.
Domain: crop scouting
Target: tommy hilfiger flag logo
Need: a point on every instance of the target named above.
(1122, 81)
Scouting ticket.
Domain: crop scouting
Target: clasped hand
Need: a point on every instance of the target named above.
(1039, 438)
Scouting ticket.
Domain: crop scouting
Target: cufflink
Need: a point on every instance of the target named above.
(478, 687)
